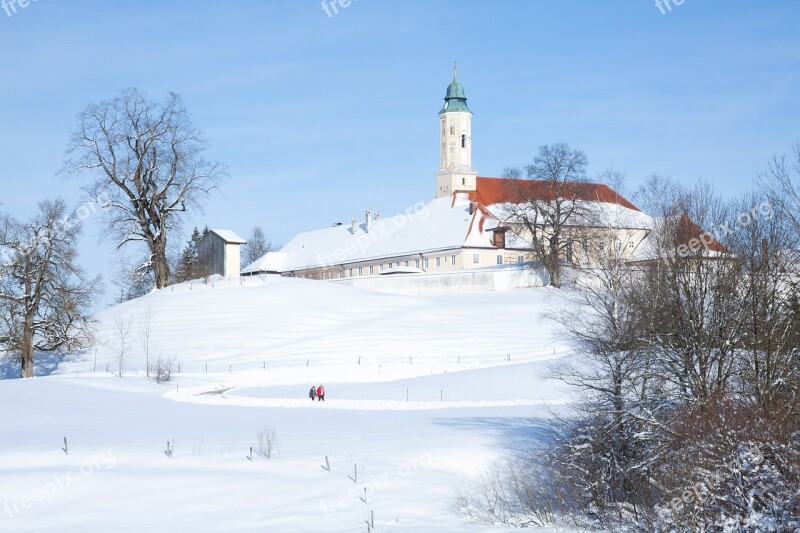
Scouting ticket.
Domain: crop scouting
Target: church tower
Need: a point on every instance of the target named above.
(455, 143)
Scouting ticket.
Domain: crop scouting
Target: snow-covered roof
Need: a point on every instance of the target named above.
(442, 224)
(269, 262)
(228, 236)
(591, 214)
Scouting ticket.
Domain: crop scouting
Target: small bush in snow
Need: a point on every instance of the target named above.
(162, 369)
(510, 495)
(267, 443)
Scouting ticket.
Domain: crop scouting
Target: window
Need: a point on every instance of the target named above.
(417, 263)
(453, 259)
(520, 258)
(619, 245)
(426, 262)
(351, 272)
(390, 264)
(499, 259)
(371, 269)
(476, 258)
(406, 263)
(630, 245)
(452, 128)
(360, 271)
(463, 181)
(438, 261)
(463, 141)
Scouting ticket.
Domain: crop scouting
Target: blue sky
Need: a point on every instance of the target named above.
(319, 118)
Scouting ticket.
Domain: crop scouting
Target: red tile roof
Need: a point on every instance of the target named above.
(687, 230)
(500, 190)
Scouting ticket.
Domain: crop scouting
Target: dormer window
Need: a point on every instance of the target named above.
(499, 240)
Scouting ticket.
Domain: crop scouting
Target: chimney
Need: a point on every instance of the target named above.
(369, 220)
(354, 227)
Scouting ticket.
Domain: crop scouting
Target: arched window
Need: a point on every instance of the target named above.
(463, 141)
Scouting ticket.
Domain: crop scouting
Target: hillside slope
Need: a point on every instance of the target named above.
(433, 401)
(284, 322)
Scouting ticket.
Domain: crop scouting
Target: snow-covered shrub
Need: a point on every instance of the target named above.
(515, 494)
(162, 369)
(267, 443)
(731, 467)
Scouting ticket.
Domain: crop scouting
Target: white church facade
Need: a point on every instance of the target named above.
(463, 228)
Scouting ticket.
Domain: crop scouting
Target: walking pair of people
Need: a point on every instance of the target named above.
(317, 392)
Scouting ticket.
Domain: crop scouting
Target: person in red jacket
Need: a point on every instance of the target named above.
(321, 393)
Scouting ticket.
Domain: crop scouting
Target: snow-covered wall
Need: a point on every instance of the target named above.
(454, 281)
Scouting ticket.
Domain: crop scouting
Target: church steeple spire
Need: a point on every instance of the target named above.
(455, 99)
(455, 156)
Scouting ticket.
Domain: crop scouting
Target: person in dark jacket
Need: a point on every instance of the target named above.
(321, 393)
(312, 393)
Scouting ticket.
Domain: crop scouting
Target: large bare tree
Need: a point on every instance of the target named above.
(545, 208)
(45, 297)
(148, 160)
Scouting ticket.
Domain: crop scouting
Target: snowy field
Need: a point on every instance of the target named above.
(423, 394)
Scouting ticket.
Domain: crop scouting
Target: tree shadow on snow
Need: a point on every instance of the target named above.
(44, 364)
(511, 434)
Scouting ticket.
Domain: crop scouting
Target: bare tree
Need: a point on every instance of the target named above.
(145, 334)
(770, 340)
(545, 208)
(122, 329)
(257, 245)
(691, 296)
(605, 452)
(781, 183)
(150, 169)
(45, 297)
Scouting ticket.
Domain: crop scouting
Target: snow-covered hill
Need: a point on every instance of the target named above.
(285, 321)
(422, 394)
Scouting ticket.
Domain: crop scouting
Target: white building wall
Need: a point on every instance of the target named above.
(453, 281)
(233, 266)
